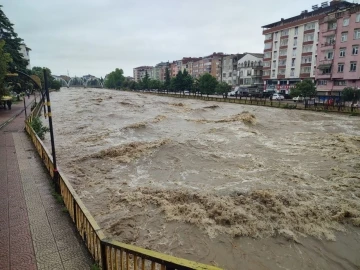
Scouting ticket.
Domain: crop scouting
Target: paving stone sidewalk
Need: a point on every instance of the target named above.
(35, 231)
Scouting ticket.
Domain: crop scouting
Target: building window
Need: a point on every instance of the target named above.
(276, 35)
(292, 72)
(281, 71)
(306, 59)
(266, 72)
(357, 34)
(341, 68)
(346, 22)
(326, 71)
(268, 36)
(296, 31)
(293, 62)
(282, 62)
(282, 52)
(339, 83)
(309, 37)
(322, 82)
(355, 50)
(353, 66)
(307, 48)
(294, 53)
(310, 26)
(224, 75)
(274, 64)
(305, 70)
(275, 55)
(284, 42)
(358, 17)
(273, 73)
(344, 36)
(342, 52)
(295, 42)
(267, 55)
(266, 64)
(268, 45)
(285, 32)
(329, 55)
(275, 45)
(332, 26)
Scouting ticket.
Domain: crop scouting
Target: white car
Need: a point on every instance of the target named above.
(298, 98)
(277, 97)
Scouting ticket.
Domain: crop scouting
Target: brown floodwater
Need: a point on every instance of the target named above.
(237, 186)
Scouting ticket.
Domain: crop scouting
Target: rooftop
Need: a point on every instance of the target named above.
(323, 9)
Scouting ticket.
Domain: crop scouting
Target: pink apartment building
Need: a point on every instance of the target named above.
(338, 56)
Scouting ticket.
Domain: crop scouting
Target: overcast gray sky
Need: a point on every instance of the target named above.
(97, 36)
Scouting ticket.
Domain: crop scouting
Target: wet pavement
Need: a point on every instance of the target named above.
(35, 231)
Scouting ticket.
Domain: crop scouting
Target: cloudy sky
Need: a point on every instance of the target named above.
(97, 36)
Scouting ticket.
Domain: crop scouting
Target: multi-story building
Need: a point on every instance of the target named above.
(187, 64)
(25, 52)
(250, 71)
(140, 72)
(229, 69)
(291, 47)
(175, 67)
(338, 52)
(158, 71)
(208, 64)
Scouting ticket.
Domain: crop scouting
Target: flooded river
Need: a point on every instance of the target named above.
(240, 187)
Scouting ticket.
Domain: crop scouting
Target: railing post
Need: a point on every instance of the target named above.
(103, 255)
(56, 173)
(25, 108)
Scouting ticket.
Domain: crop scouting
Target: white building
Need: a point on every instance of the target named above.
(25, 52)
(249, 71)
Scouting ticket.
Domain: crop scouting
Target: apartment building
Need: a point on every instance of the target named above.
(159, 71)
(187, 64)
(338, 52)
(139, 72)
(229, 67)
(250, 71)
(175, 67)
(208, 64)
(290, 47)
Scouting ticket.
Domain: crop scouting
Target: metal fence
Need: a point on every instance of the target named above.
(107, 253)
(319, 106)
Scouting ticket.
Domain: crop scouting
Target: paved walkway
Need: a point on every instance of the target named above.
(35, 231)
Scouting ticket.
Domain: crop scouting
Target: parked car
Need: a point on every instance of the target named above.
(233, 93)
(277, 97)
(297, 99)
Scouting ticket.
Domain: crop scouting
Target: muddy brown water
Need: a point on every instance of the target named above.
(240, 187)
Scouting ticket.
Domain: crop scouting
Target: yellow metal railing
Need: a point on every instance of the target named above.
(107, 253)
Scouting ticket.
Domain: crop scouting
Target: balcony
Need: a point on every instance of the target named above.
(328, 45)
(325, 64)
(329, 32)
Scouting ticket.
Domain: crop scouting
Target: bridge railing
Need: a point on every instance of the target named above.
(107, 253)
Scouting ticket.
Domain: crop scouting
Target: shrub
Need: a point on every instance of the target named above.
(39, 128)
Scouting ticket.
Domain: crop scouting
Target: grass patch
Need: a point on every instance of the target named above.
(95, 267)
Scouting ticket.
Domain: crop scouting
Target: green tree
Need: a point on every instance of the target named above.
(207, 84)
(178, 82)
(56, 85)
(38, 71)
(223, 88)
(187, 81)
(306, 88)
(115, 79)
(146, 81)
(132, 85)
(12, 42)
(350, 94)
(5, 59)
(155, 84)
(167, 79)
(195, 87)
